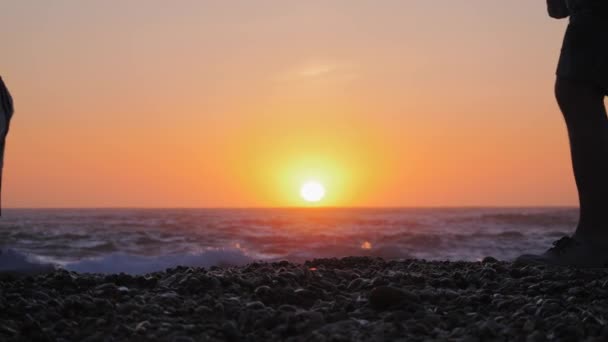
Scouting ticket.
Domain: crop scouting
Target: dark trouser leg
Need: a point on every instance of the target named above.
(583, 108)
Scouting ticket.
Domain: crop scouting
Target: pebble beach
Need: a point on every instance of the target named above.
(348, 299)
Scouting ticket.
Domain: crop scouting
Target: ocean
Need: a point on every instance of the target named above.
(139, 241)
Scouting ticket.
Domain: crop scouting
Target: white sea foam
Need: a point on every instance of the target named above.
(14, 261)
(133, 264)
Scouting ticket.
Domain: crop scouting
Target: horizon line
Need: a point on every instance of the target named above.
(298, 207)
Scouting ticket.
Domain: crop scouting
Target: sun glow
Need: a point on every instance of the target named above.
(312, 191)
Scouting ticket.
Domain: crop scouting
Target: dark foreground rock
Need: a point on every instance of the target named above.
(350, 299)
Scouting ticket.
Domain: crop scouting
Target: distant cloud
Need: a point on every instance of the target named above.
(316, 71)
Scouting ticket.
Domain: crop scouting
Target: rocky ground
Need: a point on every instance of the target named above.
(350, 299)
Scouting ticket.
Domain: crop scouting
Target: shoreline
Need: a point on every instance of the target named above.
(348, 299)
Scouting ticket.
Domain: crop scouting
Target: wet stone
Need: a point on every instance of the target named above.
(230, 331)
(182, 339)
(489, 260)
(351, 299)
(384, 297)
(255, 305)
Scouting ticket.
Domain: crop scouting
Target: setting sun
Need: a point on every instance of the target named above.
(312, 191)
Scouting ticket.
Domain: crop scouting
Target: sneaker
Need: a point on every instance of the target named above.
(569, 252)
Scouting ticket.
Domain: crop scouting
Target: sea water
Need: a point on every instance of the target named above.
(145, 240)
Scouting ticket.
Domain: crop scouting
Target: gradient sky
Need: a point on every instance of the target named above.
(236, 103)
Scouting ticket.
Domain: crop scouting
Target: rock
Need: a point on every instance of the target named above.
(489, 260)
(231, 333)
(305, 298)
(210, 283)
(127, 308)
(308, 320)
(123, 289)
(182, 339)
(263, 291)
(107, 289)
(411, 300)
(536, 336)
(287, 308)
(6, 330)
(355, 284)
(203, 310)
(488, 328)
(548, 309)
(569, 332)
(40, 295)
(575, 291)
(257, 305)
(529, 326)
(384, 297)
(488, 273)
(142, 326)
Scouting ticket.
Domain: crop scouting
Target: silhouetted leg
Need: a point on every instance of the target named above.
(583, 108)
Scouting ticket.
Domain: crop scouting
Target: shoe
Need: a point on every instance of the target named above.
(569, 252)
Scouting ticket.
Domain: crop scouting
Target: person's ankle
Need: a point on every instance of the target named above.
(599, 239)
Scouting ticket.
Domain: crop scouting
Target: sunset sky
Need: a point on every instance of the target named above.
(238, 103)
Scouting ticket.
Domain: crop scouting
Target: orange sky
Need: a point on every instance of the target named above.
(236, 103)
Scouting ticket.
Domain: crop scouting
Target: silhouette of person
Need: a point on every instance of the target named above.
(580, 89)
(6, 113)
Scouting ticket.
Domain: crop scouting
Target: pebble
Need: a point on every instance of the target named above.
(349, 299)
(489, 260)
(384, 297)
(142, 326)
(257, 305)
(230, 331)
